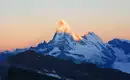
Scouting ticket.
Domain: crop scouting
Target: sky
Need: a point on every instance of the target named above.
(25, 23)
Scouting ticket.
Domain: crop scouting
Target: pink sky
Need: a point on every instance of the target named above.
(25, 23)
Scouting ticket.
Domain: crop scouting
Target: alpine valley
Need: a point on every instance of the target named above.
(68, 57)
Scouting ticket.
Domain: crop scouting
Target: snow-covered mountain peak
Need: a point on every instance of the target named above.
(92, 33)
(91, 36)
(64, 30)
(63, 27)
(88, 48)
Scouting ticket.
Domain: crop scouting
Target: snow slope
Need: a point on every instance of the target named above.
(122, 53)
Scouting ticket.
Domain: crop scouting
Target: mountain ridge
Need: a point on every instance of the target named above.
(63, 69)
(89, 48)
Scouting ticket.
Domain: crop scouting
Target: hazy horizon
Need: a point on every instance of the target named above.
(25, 23)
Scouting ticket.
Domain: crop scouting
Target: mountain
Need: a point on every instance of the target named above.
(122, 53)
(121, 44)
(88, 48)
(38, 67)
(13, 52)
(70, 46)
(41, 47)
